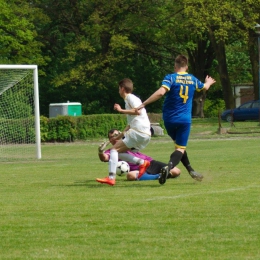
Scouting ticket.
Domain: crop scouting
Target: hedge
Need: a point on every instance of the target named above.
(65, 128)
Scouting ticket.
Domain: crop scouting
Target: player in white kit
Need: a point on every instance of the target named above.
(136, 135)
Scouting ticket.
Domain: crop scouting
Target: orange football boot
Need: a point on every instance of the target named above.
(106, 180)
(142, 168)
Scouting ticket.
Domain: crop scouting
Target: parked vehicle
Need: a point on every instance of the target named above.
(247, 111)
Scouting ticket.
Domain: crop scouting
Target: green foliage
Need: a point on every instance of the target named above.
(18, 40)
(69, 129)
(238, 62)
(213, 107)
(226, 19)
(88, 46)
(61, 129)
(83, 128)
(94, 126)
(17, 130)
(15, 98)
(44, 128)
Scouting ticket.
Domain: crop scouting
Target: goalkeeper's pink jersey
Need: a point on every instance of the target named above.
(134, 167)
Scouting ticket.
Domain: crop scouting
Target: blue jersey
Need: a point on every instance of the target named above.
(177, 107)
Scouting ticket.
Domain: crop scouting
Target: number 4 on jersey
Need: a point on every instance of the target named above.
(185, 95)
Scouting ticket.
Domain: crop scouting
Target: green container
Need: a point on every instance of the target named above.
(74, 110)
(67, 109)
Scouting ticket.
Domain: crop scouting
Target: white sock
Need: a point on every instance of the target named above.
(130, 158)
(113, 163)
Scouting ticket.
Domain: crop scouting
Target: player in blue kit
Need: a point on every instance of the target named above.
(179, 88)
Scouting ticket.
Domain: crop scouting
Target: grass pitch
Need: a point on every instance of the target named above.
(54, 209)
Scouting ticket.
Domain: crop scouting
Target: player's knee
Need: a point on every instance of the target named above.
(175, 172)
(131, 176)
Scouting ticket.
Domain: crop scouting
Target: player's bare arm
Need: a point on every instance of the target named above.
(120, 135)
(155, 96)
(103, 156)
(118, 108)
(126, 129)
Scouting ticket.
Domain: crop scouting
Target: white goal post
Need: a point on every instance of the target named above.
(19, 112)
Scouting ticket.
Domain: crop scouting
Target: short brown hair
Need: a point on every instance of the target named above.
(181, 61)
(127, 84)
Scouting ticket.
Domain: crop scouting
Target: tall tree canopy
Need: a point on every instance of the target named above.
(224, 22)
(18, 33)
(83, 48)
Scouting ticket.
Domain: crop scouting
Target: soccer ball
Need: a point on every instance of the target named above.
(122, 168)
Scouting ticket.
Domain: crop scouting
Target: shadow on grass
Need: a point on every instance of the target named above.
(125, 184)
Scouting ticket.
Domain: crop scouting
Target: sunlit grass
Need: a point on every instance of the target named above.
(54, 208)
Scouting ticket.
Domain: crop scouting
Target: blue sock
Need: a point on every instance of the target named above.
(149, 177)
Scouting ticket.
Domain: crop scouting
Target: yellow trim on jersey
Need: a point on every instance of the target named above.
(182, 72)
(197, 89)
(167, 88)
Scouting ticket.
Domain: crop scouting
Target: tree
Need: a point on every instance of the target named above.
(94, 44)
(18, 35)
(201, 60)
(222, 21)
(253, 51)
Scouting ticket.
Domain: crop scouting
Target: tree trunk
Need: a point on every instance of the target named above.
(198, 104)
(220, 50)
(200, 61)
(253, 54)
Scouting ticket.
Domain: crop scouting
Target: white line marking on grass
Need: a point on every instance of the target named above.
(203, 193)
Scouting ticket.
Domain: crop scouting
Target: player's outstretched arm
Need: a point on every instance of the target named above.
(118, 108)
(102, 156)
(154, 97)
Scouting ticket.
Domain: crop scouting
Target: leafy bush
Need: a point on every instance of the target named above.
(62, 129)
(68, 128)
(212, 107)
(17, 130)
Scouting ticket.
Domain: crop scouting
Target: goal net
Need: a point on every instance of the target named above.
(19, 112)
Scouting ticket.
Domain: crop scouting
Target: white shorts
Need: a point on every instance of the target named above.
(136, 140)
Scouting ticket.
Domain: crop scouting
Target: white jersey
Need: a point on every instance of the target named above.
(139, 123)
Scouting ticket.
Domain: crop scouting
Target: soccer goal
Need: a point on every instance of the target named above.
(19, 112)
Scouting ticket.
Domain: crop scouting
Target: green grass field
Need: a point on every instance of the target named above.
(54, 209)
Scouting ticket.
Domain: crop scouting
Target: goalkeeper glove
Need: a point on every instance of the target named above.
(102, 147)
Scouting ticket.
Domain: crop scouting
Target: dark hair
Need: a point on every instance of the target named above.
(127, 84)
(111, 131)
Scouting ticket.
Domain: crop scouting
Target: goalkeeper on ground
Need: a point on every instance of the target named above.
(151, 173)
